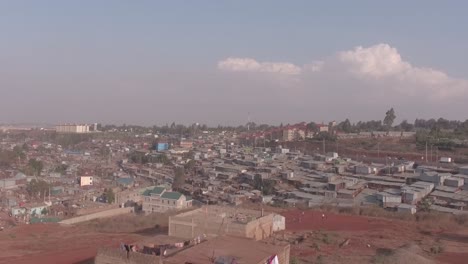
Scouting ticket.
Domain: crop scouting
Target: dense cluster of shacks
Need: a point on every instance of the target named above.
(64, 170)
(231, 174)
(225, 172)
(228, 173)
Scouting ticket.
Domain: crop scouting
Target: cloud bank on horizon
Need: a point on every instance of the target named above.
(360, 84)
(380, 66)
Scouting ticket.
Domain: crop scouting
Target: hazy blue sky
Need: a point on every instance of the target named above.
(152, 62)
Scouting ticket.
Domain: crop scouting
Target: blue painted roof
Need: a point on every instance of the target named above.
(125, 181)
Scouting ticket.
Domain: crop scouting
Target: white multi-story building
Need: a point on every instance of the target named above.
(160, 200)
(290, 134)
(72, 128)
(86, 180)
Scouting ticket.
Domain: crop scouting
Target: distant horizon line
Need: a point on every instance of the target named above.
(49, 124)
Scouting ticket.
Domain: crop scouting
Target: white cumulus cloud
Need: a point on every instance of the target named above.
(380, 68)
(315, 66)
(251, 65)
(377, 61)
(383, 63)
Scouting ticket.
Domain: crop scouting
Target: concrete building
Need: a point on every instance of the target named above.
(445, 160)
(36, 209)
(86, 180)
(434, 177)
(287, 175)
(159, 199)
(8, 183)
(322, 128)
(364, 169)
(15, 211)
(464, 170)
(132, 195)
(72, 128)
(312, 164)
(290, 134)
(415, 192)
(186, 144)
(281, 150)
(217, 250)
(465, 180)
(226, 249)
(454, 182)
(406, 208)
(162, 146)
(389, 197)
(217, 220)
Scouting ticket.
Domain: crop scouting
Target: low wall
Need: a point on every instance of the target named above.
(260, 228)
(279, 223)
(103, 207)
(117, 256)
(102, 214)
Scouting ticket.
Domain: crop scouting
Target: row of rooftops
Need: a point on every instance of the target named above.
(163, 193)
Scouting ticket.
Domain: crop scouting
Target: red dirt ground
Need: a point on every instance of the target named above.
(364, 231)
(52, 243)
(312, 220)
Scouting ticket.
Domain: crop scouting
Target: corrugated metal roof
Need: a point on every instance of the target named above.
(155, 190)
(171, 195)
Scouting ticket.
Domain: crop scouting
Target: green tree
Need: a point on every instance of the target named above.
(345, 126)
(179, 178)
(25, 147)
(104, 151)
(312, 126)
(190, 165)
(7, 157)
(405, 126)
(62, 168)
(44, 211)
(19, 153)
(425, 205)
(109, 194)
(325, 136)
(36, 166)
(389, 118)
(265, 186)
(162, 158)
(37, 188)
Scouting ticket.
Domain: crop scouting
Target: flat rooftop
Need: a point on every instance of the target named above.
(242, 250)
(219, 214)
(159, 240)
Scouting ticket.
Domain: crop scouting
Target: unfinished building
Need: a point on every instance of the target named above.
(217, 220)
(227, 250)
(219, 250)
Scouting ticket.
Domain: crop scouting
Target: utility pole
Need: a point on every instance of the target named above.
(426, 151)
(324, 146)
(431, 153)
(378, 150)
